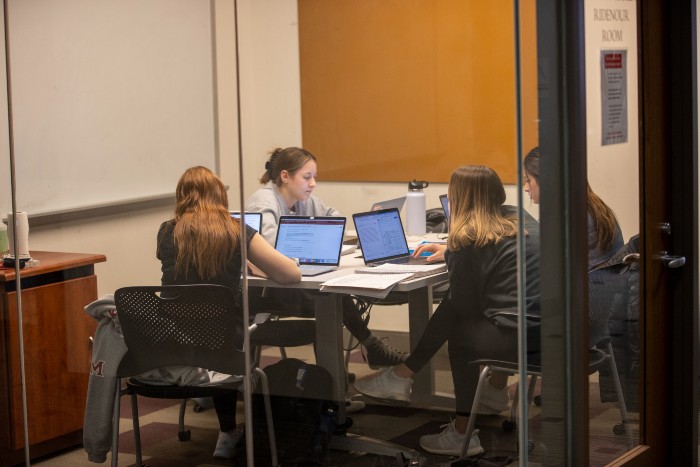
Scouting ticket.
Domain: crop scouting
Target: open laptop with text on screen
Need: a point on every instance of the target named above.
(314, 241)
(252, 219)
(381, 238)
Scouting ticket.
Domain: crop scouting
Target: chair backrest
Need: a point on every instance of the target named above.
(192, 325)
(608, 290)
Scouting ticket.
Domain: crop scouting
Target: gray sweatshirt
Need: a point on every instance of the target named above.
(269, 201)
(107, 351)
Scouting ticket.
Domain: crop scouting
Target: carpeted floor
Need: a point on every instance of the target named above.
(401, 425)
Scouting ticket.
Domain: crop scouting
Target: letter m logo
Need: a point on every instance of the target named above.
(97, 368)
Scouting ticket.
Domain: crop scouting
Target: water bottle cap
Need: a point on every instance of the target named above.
(417, 185)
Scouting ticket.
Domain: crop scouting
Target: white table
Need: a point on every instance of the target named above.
(329, 344)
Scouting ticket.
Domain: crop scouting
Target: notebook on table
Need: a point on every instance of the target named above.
(381, 238)
(252, 219)
(314, 241)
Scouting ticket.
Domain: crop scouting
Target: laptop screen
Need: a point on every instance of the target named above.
(380, 234)
(445, 207)
(388, 204)
(313, 240)
(253, 219)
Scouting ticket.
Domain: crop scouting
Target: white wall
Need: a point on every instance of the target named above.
(271, 118)
(613, 170)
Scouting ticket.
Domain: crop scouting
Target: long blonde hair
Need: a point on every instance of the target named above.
(476, 195)
(205, 235)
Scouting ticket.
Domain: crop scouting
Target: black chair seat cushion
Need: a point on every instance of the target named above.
(285, 333)
(134, 386)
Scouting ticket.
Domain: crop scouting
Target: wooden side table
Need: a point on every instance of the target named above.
(57, 347)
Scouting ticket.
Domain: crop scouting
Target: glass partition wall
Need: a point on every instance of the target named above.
(381, 93)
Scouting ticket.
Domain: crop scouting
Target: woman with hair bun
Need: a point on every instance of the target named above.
(289, 181)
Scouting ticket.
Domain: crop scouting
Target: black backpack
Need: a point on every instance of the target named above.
(303, 413)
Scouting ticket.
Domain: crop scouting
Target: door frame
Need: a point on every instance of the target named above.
(668, 176)
(668, 152)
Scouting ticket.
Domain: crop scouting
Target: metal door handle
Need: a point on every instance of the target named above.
(671, 261)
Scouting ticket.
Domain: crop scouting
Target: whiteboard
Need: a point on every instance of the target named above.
(112, 99)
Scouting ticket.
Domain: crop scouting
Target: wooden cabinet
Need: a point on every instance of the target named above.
(57, 348)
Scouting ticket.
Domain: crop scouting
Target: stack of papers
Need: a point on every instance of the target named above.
(378, 281)
(415, 270)
(368, 285)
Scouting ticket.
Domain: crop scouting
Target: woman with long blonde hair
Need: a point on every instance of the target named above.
(481, 256)
(201, 245)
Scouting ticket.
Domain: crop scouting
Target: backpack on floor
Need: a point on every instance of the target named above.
(303, 412)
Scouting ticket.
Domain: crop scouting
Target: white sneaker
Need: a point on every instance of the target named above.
(385, 385)
(226, 444)
(493, 401)
(352, 405)
(449, 442)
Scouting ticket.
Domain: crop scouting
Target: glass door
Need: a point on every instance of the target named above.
(617, 114)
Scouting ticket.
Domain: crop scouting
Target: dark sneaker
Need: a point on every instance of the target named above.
(379, 354)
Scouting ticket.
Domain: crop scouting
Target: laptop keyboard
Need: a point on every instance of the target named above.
(407, 260)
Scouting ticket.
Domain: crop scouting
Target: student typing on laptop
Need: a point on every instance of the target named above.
(482, 268)
(289, 180)
(201, 244)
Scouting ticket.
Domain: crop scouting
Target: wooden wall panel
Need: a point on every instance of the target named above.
(393, 90)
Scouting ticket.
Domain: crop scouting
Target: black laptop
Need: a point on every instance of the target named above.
(381, 238)
(314, 241)
(445, 208)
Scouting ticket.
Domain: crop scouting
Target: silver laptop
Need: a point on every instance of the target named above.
(252, 219)
(381, 238)
(314, 241)
(388, 204)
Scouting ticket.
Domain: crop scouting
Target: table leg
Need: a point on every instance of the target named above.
(329, 337)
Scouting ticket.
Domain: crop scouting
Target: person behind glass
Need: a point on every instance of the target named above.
(604, 233)
(201, 244)
(481, 256)
(290, 179)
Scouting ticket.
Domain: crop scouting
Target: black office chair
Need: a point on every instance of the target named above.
(182, 325)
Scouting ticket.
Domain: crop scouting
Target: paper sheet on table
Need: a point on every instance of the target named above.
(368, 285)
(416, 270)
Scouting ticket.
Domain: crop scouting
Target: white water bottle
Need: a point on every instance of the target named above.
(415, 208)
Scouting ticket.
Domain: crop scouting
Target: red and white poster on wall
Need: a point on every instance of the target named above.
(613, 83)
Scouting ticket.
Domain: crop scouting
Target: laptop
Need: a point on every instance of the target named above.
(381, 238)
(388, 204)
(252, 219)
(314, 241)
(446, 208)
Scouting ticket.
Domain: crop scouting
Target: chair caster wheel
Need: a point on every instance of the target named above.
(508, 426)
(619, 429)
(184, 435)
(538, 400)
